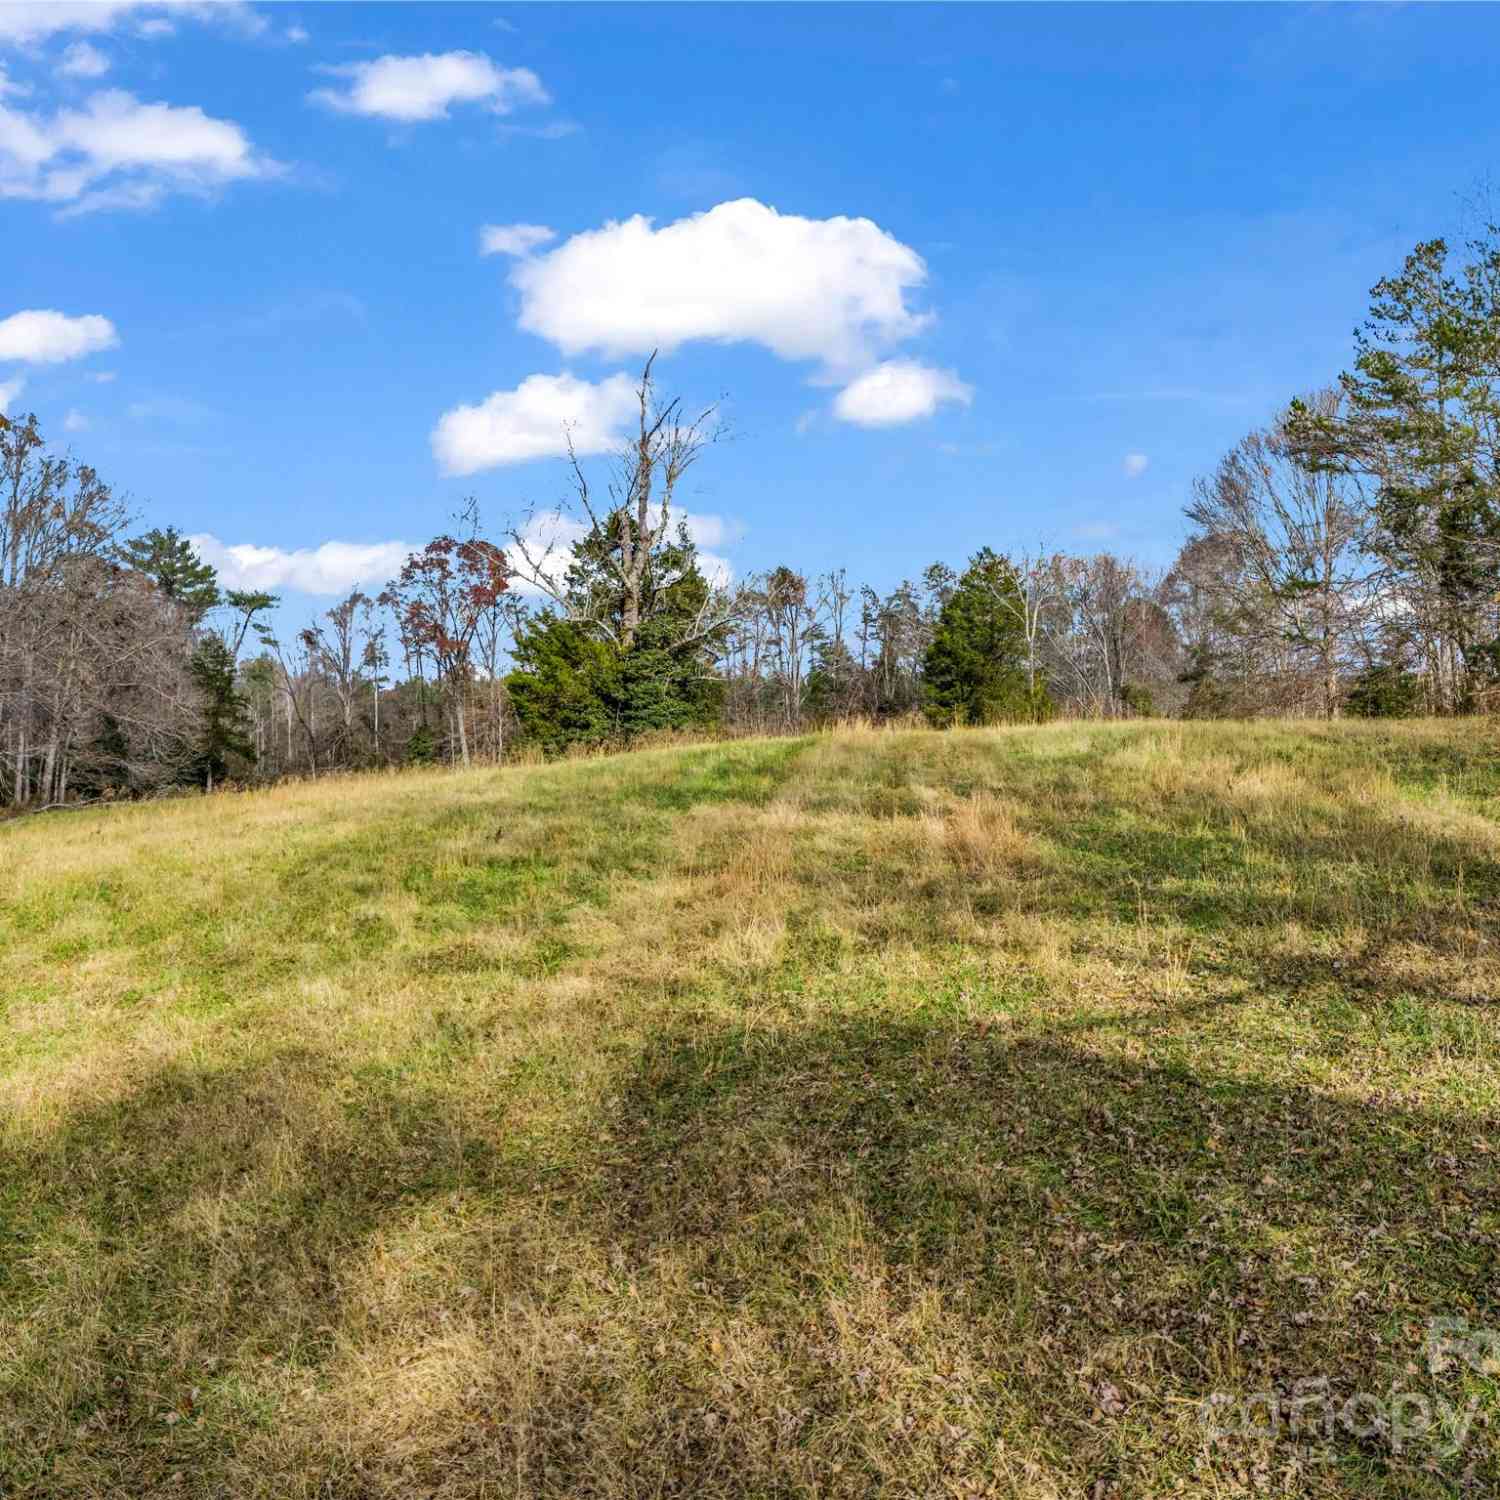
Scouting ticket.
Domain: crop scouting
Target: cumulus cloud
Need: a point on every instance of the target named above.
(83, 60)
(75, 421)
(409, 89)
(333, 568)
(26, 21)
(513, 239)
(118, 151)
(42, 337)
(9, 390)
(1135, 465)
(900, 390)
(831, 290)
(34, 20)
(832, 293)
(535, 421)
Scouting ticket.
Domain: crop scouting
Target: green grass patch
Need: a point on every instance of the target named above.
(909, 1114)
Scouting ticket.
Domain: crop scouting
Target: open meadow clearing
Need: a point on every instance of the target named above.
(889, 1113)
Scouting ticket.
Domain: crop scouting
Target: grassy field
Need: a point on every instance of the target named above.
(899, 1114)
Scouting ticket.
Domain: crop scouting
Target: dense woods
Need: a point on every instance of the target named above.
(1343, 558)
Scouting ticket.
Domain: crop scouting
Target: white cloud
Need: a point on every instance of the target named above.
(9, 390)
(102, 377)
(708, 530)
(1135, 464)
(25, 21)
(83, 60)
(513, 239)
(409, 89)
(75, 421)
(901, 390)
(297, 35)
(43, 337)
(333, 568)
(34, 20)
(118, 152)
(547, 541)
(535, 421)
(831, 290)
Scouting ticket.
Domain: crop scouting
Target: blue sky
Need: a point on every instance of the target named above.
(965, 275)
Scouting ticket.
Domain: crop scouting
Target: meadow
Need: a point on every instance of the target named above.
(999, 1113)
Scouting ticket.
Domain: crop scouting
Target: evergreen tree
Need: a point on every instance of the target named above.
(168, 559)
(225, 731)
(246, 607)
(565, 685)
(575, 683)
(1384, 691)
(975, 668)
(1423, 422)
(421, 748)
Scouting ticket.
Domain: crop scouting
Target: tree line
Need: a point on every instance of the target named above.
(1343, 558)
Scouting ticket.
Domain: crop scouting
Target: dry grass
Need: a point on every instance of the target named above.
(904, 1113)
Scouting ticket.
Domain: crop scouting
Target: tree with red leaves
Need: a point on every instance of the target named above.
(440, 597)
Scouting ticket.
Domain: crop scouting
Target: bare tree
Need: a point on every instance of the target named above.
(295, 666)
(792, 615)
(373, 661)
(1289, 571)
(334, 649)
(1034, 594)
(59, 527)
(637, 518)
(1107, 632)
(497, 625)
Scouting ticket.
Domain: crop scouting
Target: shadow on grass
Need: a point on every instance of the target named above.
(863, 1257)
(169, 1247)
(1215, 874)
(1086, 1221)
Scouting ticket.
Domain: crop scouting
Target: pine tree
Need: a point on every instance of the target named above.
(577, 683)
(1423, 422)
(225, 731)
(169, 560)
(975, 668)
